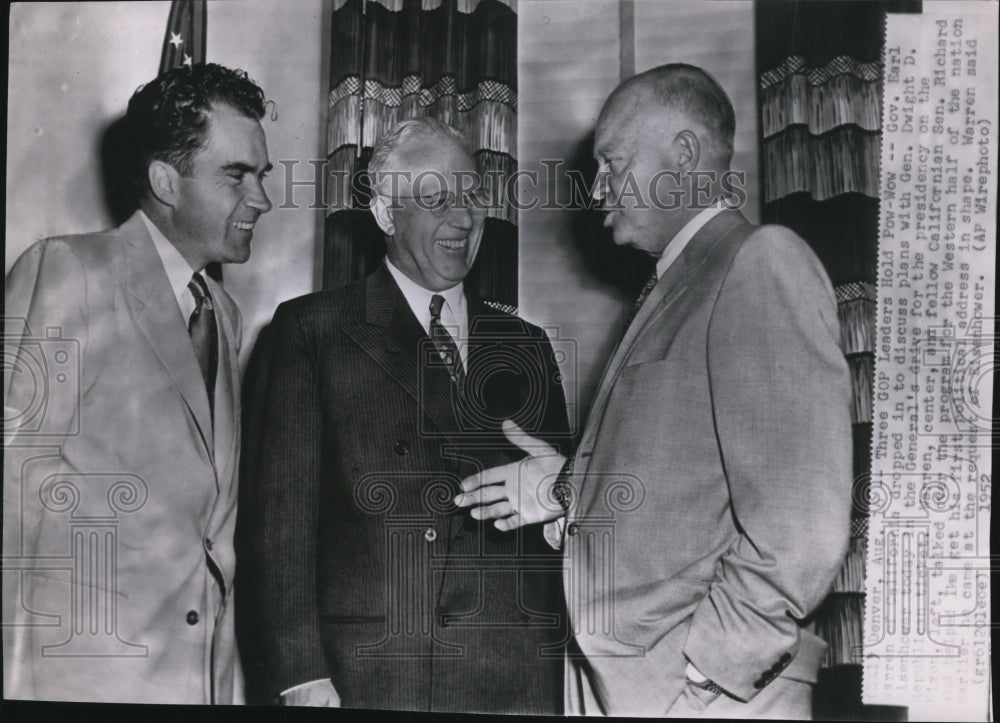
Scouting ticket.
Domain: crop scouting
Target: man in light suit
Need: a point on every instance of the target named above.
(364, 585)
(121, 408)
(705, 513)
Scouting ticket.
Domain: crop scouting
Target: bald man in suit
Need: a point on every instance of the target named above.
(705, 512)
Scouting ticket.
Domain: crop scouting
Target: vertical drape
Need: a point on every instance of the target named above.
(820, 89)
(455, 60)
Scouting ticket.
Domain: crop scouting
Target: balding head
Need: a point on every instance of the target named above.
(682, 96)
(663, 144)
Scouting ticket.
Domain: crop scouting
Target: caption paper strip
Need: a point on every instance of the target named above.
(927, 604)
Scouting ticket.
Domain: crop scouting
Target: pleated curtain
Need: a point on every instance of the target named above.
(819, 68)
(455, 60)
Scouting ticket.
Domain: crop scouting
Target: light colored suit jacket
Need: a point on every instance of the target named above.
(119, 491)
(713, 477)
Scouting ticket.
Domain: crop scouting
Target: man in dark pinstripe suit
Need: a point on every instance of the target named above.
(366, 587)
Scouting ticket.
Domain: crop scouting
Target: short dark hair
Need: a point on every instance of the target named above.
(167, 117)
(692, 91)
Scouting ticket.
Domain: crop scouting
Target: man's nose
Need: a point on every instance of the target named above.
(257, 198)
(461, 217)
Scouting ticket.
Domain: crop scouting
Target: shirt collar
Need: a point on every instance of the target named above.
(419, 299)
(683, 237)
(179, 272)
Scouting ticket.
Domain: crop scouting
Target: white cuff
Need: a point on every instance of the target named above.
(303, 685)
(554, 532)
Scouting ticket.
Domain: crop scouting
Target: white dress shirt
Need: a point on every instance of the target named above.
(454, 311)
(179, 272)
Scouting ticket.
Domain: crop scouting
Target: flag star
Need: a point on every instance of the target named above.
(187, 59)
(176, 40)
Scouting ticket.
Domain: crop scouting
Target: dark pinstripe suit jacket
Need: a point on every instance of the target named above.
(355, 563)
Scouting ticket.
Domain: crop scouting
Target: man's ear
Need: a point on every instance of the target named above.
(163, 182)
(383, 215)
(688, 150)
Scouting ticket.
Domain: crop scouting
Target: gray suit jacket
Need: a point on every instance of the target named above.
(713, 477)
(119, 493)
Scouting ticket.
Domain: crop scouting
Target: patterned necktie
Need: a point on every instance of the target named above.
(204, 334)
(647, 287)
(444, 343)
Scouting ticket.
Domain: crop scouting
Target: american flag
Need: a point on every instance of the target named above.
(184, 43)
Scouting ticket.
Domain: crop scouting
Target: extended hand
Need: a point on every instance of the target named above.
(318, 694)
(519, 493)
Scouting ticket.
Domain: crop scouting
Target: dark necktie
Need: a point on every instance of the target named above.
(204, 334)
(647, 287)
(444, 343)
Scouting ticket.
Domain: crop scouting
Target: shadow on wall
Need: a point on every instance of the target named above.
(118, 161)
(622, 267)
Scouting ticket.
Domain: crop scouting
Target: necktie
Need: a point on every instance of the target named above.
(204, 334)
(444, 343)
(647, 287)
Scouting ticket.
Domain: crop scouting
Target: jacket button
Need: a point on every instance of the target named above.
(208, 544)
(192, 617)
(786, 658)
(401, 447)
(572, 529)
(758, 684)
(430, 534)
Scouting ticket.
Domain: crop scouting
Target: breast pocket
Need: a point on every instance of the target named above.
(662, 405)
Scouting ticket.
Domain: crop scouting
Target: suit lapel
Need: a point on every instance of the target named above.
(394, 339)
(666, 293)
(667, 290)
(155, 311)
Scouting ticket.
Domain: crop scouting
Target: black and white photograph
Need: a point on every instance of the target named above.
(626, 358)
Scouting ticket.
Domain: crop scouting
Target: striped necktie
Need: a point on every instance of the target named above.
(204, 334)
(444, 343)
(647, 287)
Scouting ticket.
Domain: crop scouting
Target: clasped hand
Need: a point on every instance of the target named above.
(519, 493)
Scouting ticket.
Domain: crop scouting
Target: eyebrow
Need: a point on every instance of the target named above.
(245, 167)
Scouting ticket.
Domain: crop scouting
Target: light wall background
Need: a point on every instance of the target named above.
(72, 69)
(571, 55)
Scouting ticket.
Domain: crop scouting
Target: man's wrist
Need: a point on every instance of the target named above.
(285, 692)
(698, 679)
(562, 490)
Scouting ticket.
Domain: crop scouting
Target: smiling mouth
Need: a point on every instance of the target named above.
(243, 225)
(452, 244)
